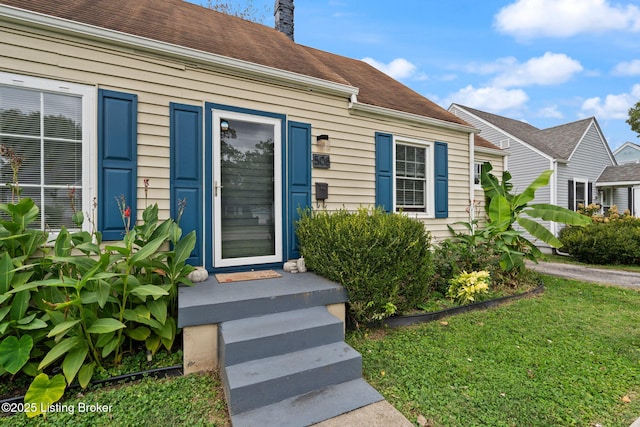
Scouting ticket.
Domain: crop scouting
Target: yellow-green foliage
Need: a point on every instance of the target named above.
(469, 287)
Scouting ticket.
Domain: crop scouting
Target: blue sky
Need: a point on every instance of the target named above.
(546, 62)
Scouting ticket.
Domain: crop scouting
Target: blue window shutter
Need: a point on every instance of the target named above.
(186, 172)
(117, 160)
(299, 180)
(441, 172)
(384, 171)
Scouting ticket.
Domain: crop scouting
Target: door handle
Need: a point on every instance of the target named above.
(215, 188)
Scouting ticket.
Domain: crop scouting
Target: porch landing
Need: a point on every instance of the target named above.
(279, 347)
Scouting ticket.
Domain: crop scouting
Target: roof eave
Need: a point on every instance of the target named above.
(176, 51)
(368, 109)
(617, 183)
(493, 151)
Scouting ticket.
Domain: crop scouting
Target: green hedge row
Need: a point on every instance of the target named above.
(615, 242)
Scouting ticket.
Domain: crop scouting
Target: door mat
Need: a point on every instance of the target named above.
(246, 275)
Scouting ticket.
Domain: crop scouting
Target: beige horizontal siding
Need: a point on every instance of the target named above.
(159, 81)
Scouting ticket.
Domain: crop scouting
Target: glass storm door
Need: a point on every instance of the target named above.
(247, 189)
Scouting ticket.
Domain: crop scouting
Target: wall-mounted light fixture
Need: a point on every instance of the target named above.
(323, 141)
(224, 125)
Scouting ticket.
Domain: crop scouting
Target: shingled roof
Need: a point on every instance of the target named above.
(188, 25)
(626, 173)
(557, 142)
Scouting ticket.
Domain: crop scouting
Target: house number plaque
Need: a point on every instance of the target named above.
(321, 161)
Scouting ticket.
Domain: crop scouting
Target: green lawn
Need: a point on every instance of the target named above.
(568, 357)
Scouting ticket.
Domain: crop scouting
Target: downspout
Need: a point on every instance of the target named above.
(554, 193)
(472, 188)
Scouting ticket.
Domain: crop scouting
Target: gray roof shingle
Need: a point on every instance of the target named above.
(628, 172)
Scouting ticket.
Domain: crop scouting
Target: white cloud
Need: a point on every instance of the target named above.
(550, 112)
(630, 68)
(565, 18)
(549, 69)
(399, 68)
(492, 99)
(613, 106)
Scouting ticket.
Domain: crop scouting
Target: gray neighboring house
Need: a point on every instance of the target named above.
(627, 153)
(577, 152)
(623, 178)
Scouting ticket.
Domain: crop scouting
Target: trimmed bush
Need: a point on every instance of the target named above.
(614, 242)
(383, 260)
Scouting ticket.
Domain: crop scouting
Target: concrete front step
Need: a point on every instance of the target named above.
(261, 382)
(273, 334)
(312, 407)
(212, 303)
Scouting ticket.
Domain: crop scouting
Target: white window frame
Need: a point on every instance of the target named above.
(429, 200)
(477, 168)
(584, 181)
(89, 117)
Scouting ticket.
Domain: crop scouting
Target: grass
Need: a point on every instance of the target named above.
(193, 400)
(568, 357)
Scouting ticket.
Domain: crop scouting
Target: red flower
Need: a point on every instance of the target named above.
(127, 212)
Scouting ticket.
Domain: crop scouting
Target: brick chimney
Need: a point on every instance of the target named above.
(283, 13)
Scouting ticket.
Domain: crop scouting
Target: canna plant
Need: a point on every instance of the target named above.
(505, 209)
(80, 304)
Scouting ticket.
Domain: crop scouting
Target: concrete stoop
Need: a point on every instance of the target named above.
(281, 352)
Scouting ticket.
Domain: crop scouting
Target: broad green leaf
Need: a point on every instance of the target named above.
(6, 272)
(555, 213)
(539, 232)
(43, 392)
(530, 192)
(144, 291)
(85, 374)
(26, 319)
(168, 334)
(62, 246)
(4, 311)
(165, 331)
(103, 290)
(34, 324)
(104, 339)
(140, 333)
(120, 249)
(58, 351)
(14, 353)
(62, 327)
(74, 360)
(153, 343)
(147, 250)
(499, 210)
(110, 347)
(184, 248)
(105, 325)
(141, 315)
(67, 283)
(158, 309)
(20, 304)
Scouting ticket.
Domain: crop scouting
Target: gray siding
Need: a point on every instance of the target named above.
(524, 163)
(587, 162)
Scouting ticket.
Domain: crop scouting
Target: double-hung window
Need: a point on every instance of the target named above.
(413, 176)
(48, 127)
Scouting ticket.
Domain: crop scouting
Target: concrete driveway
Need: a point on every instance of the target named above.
(588, 274)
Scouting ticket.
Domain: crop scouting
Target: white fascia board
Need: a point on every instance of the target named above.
(617, 183)
(357, 107)
(223, 62)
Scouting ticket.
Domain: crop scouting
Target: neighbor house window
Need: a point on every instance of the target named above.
(412, 171)
(48, 125)
(477, 173)
(606, 199)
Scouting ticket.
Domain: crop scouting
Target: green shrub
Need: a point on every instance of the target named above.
(383, 260)
(615, 242)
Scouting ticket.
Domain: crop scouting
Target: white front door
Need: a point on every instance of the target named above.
(636, 201)
(247, 189)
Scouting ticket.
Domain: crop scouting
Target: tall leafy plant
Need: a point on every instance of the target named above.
(504, 209)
